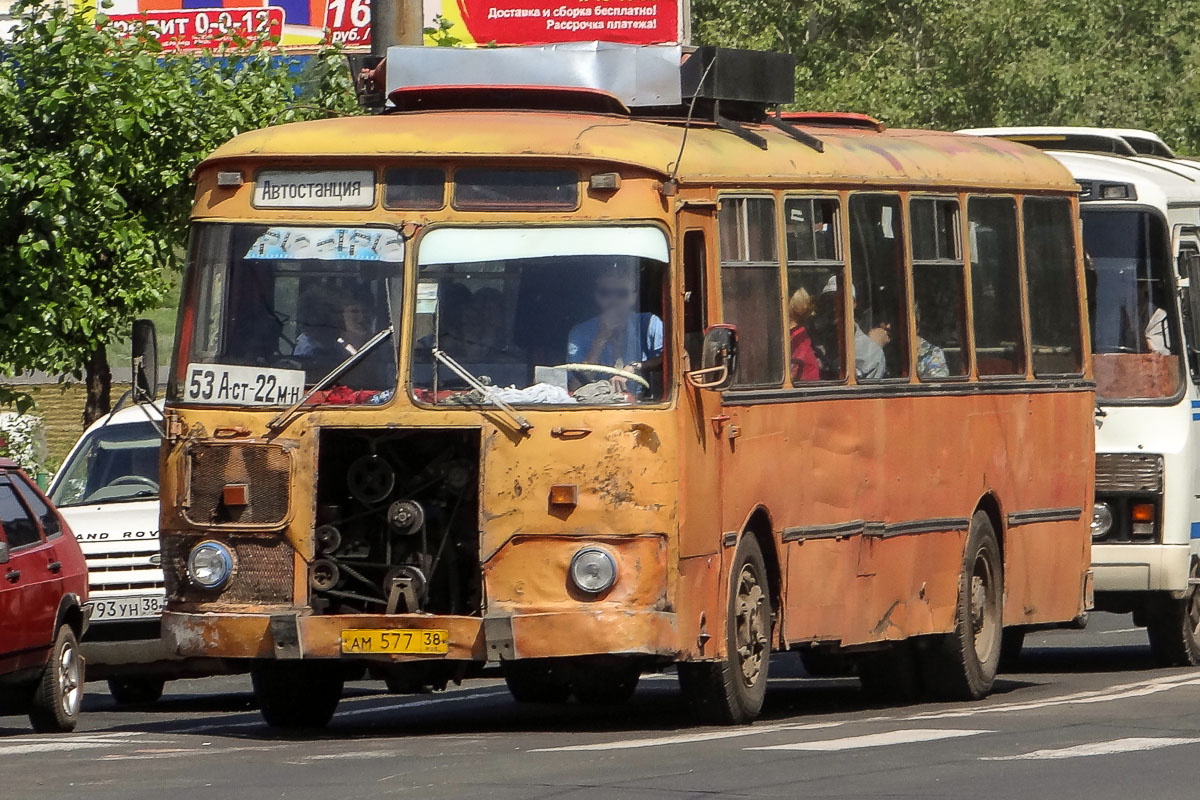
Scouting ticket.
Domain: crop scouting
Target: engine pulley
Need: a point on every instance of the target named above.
(323, 575)
(370, 479)
(406, 516)
(328, 539)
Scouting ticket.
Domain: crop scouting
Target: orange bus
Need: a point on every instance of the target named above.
(589, 385)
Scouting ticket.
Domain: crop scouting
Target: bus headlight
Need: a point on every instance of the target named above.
(1102, 520)
(209, 564)
(593, 570)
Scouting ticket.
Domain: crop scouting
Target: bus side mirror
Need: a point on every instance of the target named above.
(718, 359)
(145, 361)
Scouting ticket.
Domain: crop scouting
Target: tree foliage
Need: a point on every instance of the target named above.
(99, 133)
(970, 63)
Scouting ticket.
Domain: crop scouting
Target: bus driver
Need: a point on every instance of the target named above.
(618, 336)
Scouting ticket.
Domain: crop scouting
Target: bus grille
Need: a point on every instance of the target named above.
(1128, 472)
(262, 571)
(264, 468)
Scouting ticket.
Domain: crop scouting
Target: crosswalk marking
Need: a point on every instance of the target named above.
(1133, 744)
(912, 736)
(687, 738)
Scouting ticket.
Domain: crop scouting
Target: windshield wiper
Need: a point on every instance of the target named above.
(458, 369)
(334, 373)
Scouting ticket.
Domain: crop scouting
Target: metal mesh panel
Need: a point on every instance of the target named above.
(262, 571)
(1128, 472)
(264, 468)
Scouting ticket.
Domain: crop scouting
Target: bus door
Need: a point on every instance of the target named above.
(700, 534)
(1187, 263)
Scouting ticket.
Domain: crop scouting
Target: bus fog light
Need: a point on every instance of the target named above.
(593, 570)
(209, 564)
(1102, 520)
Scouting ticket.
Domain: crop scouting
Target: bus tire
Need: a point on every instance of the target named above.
(1174, 629)
(536, 681)
(731, 691)
(297, 694)
(1012, 641)
(607, 685)
(962, 664)
(58, 695)
(136, 691)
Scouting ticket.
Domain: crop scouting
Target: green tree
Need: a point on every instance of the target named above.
(99, 132)
(969, 63)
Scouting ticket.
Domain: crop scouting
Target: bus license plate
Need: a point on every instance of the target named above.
(395, 640)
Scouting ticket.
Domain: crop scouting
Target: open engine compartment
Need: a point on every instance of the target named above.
(397, 523)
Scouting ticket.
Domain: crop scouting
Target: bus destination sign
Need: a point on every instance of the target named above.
(233, 385)
(342, 188)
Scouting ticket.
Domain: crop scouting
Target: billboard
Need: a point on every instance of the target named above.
(198, 25)
(192, 25)
(509, 22)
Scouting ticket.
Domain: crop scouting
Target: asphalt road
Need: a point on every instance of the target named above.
(1088, 716)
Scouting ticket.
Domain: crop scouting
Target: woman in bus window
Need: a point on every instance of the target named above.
(804, 357)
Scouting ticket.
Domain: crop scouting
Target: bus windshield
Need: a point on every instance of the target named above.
(1131, 304)
(540, 316)
(269, 310)
(115, 463)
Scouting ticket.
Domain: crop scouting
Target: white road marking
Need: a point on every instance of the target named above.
(1135, 744)
(1122, 630)
(359, 754)
(1107, 695)
(875, 740)
(53, 744)
(433, 701)
(688, 738)
(152, 755)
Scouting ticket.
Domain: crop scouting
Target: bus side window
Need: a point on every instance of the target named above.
(939, 290)
(815, 269)
(877, 275)
(750, 289)
(1188, 262)
(695, 259)
(1053, 288)
(995, 285)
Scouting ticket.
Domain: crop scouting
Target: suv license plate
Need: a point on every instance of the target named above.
(394, 640)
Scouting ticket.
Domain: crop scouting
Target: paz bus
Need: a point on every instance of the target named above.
(596, 379)
(1141, 234)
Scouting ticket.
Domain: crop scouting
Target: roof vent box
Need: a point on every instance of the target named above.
(741, 76)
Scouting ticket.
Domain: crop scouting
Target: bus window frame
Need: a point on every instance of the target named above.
(961, 262)
(905, 284)
(842, 262)
(1022, 287)
(671, 273)
(718, 289)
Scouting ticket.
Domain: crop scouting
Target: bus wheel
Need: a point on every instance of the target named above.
(536, 681)
(135, 691)
(1011, 644)
(1174, 629)
(607, 685)
(962, 665)
(297, 694)
(731, 691)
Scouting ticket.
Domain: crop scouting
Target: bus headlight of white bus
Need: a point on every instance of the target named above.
(593, 570)
(1102, 520)
(209, 565)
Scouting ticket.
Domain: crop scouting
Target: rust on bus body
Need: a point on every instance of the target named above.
(672, 489)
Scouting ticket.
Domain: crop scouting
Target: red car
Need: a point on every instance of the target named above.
(43, 607)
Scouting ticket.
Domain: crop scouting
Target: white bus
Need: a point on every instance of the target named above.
(1140, 210)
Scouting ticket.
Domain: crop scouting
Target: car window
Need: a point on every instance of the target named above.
(50, 524)
(19, 528)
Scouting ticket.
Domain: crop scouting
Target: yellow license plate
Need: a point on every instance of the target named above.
(394, 640)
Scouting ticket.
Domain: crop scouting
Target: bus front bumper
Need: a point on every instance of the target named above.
(1141, 567)
(558, 634)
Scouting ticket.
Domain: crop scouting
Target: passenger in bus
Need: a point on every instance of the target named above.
(804, 356)
(336, 325)
(869, 361)
(931, 359)
(618, 336)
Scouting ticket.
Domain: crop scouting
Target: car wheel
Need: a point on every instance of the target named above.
(59, 693)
